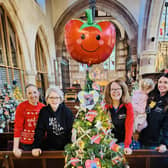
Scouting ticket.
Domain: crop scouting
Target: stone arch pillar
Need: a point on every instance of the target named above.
(149, 34)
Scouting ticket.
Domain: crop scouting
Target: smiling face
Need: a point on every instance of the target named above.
(116, 91)
(32, 95)
(163, 85)
(89, 45)
(90, 42)
(54, 100)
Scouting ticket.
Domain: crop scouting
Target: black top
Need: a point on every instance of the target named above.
(156, 132)
(55, 126)
(118, 117)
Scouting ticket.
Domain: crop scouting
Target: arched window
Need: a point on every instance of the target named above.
(11, 59)
(115, 66)
(64, 64)
(41, 67)
(109, 64)
(42, 4)
(163, 31)
(162, 55)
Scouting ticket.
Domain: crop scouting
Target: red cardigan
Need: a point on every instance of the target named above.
(129, 122)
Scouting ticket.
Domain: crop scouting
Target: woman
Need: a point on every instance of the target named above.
(25, 121)
(118, 104)
(56, 120)
(155, 135)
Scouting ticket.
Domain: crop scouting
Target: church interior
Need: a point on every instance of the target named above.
(33, 50)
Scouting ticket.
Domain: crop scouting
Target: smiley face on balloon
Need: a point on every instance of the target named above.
(89, 42)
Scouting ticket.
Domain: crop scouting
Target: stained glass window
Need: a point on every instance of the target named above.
(163, 30)
(109, 64)
(83, 67)
(162, 55)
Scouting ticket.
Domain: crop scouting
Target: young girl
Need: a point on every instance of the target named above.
(139, 100)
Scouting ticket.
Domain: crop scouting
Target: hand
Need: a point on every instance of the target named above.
(36, 152)
(17, 152)
(161, 148)
(127, 151)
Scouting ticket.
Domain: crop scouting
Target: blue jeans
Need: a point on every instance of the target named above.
(133, 145)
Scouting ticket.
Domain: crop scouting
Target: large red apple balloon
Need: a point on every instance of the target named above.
(88, 42)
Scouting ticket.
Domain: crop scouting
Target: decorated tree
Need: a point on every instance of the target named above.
(8, 105)
(93, 144)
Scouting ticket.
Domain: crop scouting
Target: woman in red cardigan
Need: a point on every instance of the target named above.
(118, 104)
(25, 121)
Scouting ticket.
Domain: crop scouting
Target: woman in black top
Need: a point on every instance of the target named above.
(118, 104)
(55, 121)
(155, 135)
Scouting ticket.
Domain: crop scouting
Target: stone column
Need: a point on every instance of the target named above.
(147, 62)
(30, 77)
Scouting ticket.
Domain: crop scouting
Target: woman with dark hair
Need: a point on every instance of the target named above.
(118, 104)
(155, 135)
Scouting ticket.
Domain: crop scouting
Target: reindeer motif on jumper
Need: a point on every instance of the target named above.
(56, 127)
(31, 122)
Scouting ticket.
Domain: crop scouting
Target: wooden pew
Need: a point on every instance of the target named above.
(55, 159)
(48, 159)
(148, 159)
(4, 163)
(6, 139)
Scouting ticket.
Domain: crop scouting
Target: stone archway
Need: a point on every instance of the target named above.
(116, 9)
(42, 62)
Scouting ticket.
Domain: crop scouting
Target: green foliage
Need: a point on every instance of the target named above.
(85, 148)
(89, 82)
(8, 104)
(92, 140)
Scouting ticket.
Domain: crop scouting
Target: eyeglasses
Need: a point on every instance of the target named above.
(54, 98)
(117, 89)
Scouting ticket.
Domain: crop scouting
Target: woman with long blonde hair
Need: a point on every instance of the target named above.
(118, 104)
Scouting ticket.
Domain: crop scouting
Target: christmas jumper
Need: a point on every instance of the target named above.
(57, 125)
(156, 132)
(122, 119)
(25, 121)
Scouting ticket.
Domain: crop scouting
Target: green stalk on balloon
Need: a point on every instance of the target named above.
(90, 22)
